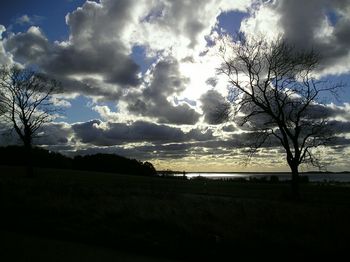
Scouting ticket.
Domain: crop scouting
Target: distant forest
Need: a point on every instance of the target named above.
(16, 156)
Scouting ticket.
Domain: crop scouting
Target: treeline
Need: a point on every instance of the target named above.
(16, 156)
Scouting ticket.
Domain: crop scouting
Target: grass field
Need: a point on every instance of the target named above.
(136, 218)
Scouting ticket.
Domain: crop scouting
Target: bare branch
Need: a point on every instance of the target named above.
(25, 100)
(274, 81)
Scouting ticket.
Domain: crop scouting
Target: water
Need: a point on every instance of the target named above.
(313, 177)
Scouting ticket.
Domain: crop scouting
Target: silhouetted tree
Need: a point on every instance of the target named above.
(16, 156)
(274, 90)
(25, 99)
(149, 168)
(112, 163)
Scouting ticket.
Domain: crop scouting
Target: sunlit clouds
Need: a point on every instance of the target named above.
(148, 70)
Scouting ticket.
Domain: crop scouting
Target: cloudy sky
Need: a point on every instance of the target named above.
(139, 76)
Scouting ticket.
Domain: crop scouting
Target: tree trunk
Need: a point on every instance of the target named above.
(295, 182)
(29, 158)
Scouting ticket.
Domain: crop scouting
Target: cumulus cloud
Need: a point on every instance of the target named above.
(24, 19)
(182, 25)
(28, 47)
(96, 44)
(108, 133)
(164, 81)
(95, 51)
(54, 134)
(5, 57)
(149, 141)
(97, 60)
(106, 113)
(50, 134)
(229, 128)
(323, 25)
(28, 20)
(215, 107)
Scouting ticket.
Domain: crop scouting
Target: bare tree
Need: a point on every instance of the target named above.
(26, 105)
(273, 89)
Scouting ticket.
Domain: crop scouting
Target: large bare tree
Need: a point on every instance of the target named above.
(273, 88)
(26, 105)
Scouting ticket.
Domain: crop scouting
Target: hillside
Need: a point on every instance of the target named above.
(174, 218)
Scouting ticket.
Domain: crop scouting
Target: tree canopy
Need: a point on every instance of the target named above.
(275, 91)
(25, 99)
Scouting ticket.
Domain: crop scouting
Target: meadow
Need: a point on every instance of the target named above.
(66, 215)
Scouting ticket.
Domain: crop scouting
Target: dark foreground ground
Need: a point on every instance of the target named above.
(65, 215)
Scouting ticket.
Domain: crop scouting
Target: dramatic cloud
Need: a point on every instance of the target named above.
(148, 67)
(96, 55)
(100, 133)
(97, 59)
(182, 25)
(329, 115)
(5, 58)
(54, 134)
(165, 81)
(96, 44)
(229, 128)
(29, 47)
(323, 25)
(215, 107)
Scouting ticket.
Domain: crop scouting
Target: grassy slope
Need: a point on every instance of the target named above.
(21, 247)
(172, 218)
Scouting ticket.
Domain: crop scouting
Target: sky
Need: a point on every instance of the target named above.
(139, 77)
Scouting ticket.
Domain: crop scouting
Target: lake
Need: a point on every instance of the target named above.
(313, 177)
